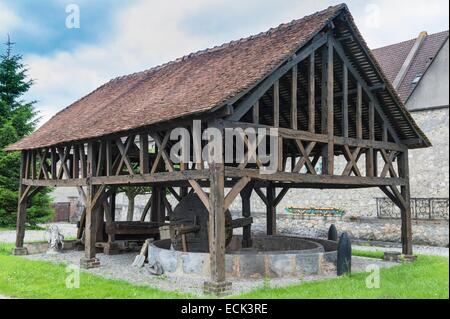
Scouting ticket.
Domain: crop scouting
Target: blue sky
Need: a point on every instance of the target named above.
(117, 37)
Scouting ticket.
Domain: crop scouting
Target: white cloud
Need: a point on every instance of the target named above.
(146, 34)
(8, 20)
(384, 22)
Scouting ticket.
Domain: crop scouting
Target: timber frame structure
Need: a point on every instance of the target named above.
(329, 100)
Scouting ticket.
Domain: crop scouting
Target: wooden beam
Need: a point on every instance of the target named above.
(261, 195)
(323, 180)
(232, 194)
(280, 196)
(256, 113)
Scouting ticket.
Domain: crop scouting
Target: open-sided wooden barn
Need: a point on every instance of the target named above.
(314, 79)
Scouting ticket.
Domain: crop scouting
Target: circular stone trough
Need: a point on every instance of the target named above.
(270, 256)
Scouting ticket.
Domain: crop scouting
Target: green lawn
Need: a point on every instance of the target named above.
(426, 278)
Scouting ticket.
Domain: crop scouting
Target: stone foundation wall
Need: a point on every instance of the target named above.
(434, 233)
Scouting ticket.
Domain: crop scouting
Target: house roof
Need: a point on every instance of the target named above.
(200, 82)
(392, 57)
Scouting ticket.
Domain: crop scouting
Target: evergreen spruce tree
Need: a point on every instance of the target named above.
(17, 119)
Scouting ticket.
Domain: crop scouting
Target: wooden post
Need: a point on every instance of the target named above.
(294, 120)
(89, 260)
(330, 109)
(246, 194)
(21, 211)
(345, 102)
(157, 208)
(216, 232)
(370, 158)
(406, 233)
(271, 218)
(276, 122)
(312, 94)
(143, 154)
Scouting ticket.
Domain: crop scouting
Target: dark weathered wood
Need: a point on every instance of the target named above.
(256, 113)
(280, 196)
(345, 101)
(246, 194)
(330, 110)
(271, 217)
(321, 138)
(324, 108)
(261, 195)
(268, 82)
(312, 94)
(370, 158)
(143, 154)
(216, 224)
(403, 168)
(294, 102)
(323, 180)
(21, 206)
(124, 159)
(359, 101)
(91, 224)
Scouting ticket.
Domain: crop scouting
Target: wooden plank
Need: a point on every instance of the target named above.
(294, 89)
(312, 94)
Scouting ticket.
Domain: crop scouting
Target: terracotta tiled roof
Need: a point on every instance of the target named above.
(193, 84)
(392, 57)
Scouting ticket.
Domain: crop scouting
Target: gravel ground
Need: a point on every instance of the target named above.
(68, 230)
(423, 250)
(119, 267)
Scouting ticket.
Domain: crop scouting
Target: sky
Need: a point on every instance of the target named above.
(69, 57)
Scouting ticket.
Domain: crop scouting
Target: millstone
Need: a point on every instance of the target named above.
(190, 211)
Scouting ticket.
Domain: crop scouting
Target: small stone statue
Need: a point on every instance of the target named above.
(55, 239)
